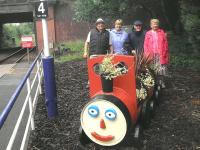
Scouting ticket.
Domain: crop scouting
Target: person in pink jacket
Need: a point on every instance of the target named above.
(156, 48)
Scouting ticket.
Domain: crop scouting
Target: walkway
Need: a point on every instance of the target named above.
(6, 69)
(9, 80)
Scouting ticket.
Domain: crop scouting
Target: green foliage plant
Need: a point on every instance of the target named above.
(145, 75)
(109, 69)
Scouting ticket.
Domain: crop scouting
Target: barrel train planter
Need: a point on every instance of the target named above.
(109, 116)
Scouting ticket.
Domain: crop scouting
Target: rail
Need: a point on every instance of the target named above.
(32, 103)
(21, 49)
(19, 59)
(22, 56)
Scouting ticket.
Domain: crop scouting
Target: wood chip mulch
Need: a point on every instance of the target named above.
(175, 126)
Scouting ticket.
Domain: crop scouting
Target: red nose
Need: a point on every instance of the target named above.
(102, 124)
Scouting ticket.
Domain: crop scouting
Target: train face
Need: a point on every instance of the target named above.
(104, 122)
(107, 117)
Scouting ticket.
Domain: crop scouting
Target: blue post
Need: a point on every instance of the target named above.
(50, 87)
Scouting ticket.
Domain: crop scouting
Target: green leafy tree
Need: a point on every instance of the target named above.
(190, 17)
(179, 16)
(12, 33)
(93, 9)
(90, 10)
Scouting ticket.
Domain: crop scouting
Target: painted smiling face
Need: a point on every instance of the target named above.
(103, 122)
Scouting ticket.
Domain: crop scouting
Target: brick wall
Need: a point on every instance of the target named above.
(66, 28)
(61, 27)
(51, 30)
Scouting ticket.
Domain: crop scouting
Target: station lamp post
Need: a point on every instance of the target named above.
(41, 11)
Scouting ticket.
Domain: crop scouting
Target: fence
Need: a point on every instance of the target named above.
(37, 63)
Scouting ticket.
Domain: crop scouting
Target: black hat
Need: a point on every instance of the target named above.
(138, 22)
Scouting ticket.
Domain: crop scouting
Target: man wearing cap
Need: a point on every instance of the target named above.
(135, 40)
(98, 40)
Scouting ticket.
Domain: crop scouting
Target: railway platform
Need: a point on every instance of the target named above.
(6, 69)
(10, 77)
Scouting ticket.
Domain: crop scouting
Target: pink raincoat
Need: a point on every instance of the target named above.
(158, 46)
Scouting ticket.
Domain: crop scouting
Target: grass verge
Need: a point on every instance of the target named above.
(75, 51)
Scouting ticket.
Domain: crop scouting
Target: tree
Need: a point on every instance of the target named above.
(190, 17)
(128, 10)
(174, 15)
(12, 33)
(94, 9)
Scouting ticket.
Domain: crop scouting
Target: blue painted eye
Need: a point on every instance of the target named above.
(110, 114)
(93, 111)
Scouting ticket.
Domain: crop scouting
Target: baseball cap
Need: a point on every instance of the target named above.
(138, 22)
(99, 20)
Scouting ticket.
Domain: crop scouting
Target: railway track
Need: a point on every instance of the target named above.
(16, 56)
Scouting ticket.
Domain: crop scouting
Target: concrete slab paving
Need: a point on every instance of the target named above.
(5, 69)
(8, 84)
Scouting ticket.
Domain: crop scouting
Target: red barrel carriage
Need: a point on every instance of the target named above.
(107, 118)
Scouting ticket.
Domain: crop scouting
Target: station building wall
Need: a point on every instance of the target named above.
(61, 26)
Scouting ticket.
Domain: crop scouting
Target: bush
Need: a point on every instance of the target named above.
(181, 53)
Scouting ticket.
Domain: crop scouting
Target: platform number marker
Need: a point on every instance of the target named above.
(41, 9)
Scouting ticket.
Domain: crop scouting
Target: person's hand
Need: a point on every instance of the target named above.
(133, 52)
(85, 55)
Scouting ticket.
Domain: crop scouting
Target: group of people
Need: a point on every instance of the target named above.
(152, 43)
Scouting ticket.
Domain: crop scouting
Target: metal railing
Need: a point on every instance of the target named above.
(32, 102)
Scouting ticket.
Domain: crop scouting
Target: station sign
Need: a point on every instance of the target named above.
(27, 42)
(41, 9)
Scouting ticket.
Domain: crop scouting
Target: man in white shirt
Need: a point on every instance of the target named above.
(98, 41)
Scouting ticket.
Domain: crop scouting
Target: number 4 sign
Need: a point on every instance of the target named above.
(41, 9)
